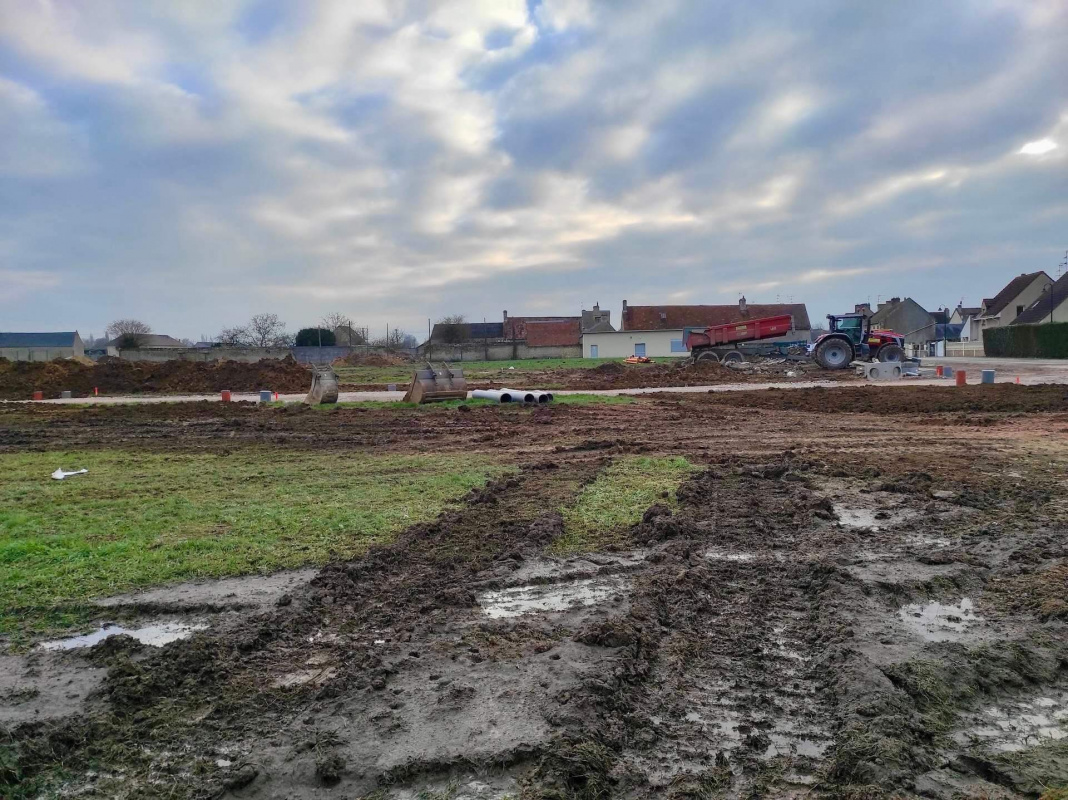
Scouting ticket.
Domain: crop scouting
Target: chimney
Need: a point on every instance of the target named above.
(506, 315)
(742, 307)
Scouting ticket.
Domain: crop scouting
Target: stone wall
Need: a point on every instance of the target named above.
(499, 350)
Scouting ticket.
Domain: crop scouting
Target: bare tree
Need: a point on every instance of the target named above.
(129, 333)
(396, 339)
(344, 328)
(267, 330)
(337, 320)
(234, 337)
(453, 329)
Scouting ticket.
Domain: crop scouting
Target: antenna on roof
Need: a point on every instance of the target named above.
(1063, 265)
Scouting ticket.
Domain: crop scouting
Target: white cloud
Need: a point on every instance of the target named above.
(1038, 148)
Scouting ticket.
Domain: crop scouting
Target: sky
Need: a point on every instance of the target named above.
(193, 163)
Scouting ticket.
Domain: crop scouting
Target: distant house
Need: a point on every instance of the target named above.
(660, 330)
(963, 316)
(1002, 309)
(544, 331)
(150, 341)
(596, 320)
(908, 318)
(41, 346)
(1051, 305)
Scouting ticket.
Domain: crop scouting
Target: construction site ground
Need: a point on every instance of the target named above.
(847, 592)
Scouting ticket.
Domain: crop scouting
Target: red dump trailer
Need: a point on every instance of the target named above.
(720, 342)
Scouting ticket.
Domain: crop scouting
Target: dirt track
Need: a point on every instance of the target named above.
(854, 598)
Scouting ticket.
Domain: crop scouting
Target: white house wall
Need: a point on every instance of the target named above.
(620, 344)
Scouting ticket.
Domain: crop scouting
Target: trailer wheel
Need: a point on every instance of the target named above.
(706, 355)
(733, 357)
(834, 354)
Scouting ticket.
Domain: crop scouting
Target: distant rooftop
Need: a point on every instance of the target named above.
(45, 339)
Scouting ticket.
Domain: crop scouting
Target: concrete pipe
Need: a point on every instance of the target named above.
(520, 396)
(496, 395)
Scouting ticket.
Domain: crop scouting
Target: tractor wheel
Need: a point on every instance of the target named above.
(706, 356)
(834, 354)
(733, 357)
(890, 352)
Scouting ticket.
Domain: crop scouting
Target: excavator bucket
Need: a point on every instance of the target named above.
(433, 386)
(324, 386)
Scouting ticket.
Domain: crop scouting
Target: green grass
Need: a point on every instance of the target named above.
(475, 370)
(142, 519)
(605, 509)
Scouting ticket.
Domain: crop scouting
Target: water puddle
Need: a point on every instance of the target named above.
(153, 635)
(721, 555)
(1016, 726)
(940, 622)
(548, 597)
(870, 518)
(920, 540)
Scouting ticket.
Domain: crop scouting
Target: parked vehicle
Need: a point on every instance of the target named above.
(720, 342)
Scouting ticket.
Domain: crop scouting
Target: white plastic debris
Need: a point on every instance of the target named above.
(60, 474)
(791, 374)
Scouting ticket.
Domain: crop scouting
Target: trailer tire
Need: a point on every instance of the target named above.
(706, 356)
(733, 357)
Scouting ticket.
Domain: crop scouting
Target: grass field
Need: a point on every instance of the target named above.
(473, 370)
(141, 519)
(617, 500)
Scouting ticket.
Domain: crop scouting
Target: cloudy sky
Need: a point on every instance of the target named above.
(193, 163)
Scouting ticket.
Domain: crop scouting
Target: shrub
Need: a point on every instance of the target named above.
(309, 337)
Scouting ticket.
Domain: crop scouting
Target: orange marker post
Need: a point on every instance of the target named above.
(962, 377)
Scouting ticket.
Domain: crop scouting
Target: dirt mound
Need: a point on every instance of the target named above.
(614, 375)
(1002, 397)
(19, 379)
(371, 360)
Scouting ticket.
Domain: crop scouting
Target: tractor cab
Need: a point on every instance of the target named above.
(854, 326)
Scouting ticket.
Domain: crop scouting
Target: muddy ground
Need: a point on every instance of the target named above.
(619, 375)
(860, 594)
(20, 379)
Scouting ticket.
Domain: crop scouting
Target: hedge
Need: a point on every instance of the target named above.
(1027, 341)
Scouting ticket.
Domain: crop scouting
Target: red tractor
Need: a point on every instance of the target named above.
(852, 339)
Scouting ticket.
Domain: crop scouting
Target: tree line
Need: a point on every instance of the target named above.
(268, 330)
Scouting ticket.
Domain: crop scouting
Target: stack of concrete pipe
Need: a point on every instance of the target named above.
(512, 395)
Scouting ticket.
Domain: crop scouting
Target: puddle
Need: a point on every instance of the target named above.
(304, 676)
(783, 745)
(721, 555)
(1016, 726)
(921, 540)
(870, 518)
(154, 635)
(939, 622)
(547, 597)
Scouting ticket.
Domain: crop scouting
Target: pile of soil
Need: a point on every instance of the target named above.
(614, 375)
(1001, 397)
(20, 379)
(371, 360)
